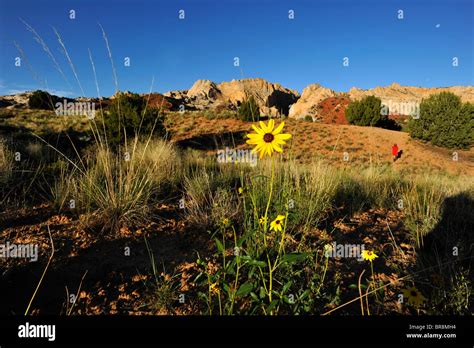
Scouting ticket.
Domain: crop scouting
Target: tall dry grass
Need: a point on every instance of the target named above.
(120, 188)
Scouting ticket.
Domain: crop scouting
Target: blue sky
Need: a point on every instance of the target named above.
(416, 50)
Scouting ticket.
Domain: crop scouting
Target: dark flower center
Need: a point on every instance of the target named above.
(277, 222)
(413, 293)
(268, 137)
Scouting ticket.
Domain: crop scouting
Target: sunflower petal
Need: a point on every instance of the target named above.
(271, 125)
(277, 147)
(283, 136)
(278, 129)
(269, 149)
(253, 136)
(279, 141)
(258, 130)
(263, 126)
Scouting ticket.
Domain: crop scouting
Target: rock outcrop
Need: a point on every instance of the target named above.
(307, 105)
(398, 93)
(393, 96)
(272, 99)
(16, 101)
(204, 89)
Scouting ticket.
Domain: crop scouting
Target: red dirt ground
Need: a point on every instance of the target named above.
(332, 110)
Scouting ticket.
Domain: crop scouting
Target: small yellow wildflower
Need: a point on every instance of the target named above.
(277, 224)
(225, 222)
(414, 296)
(240, 190)
(262, 220)
(328, 248)
(214, 288)
(369, 255)
(267, 138)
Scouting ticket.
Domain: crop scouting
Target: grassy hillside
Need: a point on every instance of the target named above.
(135, 229)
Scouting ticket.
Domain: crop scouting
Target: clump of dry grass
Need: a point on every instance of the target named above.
(6, 163)
(119, 188)
(209, 198)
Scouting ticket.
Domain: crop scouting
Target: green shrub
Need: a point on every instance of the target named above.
(444, 121)
(129, 117)
(41, 100)
(308, 118)
(368, 112)
(249, 110)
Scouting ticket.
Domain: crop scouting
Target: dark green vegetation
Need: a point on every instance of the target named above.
(368, 112)
(249, 110)
(41, 100)
(129, 116)
(444, 121)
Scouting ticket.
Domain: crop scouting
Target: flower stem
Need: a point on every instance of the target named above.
(265, 229)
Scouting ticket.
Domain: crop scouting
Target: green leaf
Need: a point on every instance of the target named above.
(220, 246)
(254, 296)
(294, 257)
(244, 289)
(272, 305)
(226, 287)
(262, 292)
(286, 286)
(258, 263)
(245, 258)
(305, 294)
(354, 286)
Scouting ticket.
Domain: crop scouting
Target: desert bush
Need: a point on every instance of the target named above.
(41, 100)
(129, 117)
(368, 112)
(444, 121)
(249, 110)
(308, 118)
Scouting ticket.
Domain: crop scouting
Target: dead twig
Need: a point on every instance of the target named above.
(44, 272)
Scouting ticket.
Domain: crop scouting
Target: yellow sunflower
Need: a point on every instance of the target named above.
(277, 224)
(369, 255)
(268, 138)
(414, 296)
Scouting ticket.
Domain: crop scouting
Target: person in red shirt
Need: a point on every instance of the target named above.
(395, 152)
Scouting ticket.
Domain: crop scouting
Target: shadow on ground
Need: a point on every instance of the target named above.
(213, 141)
